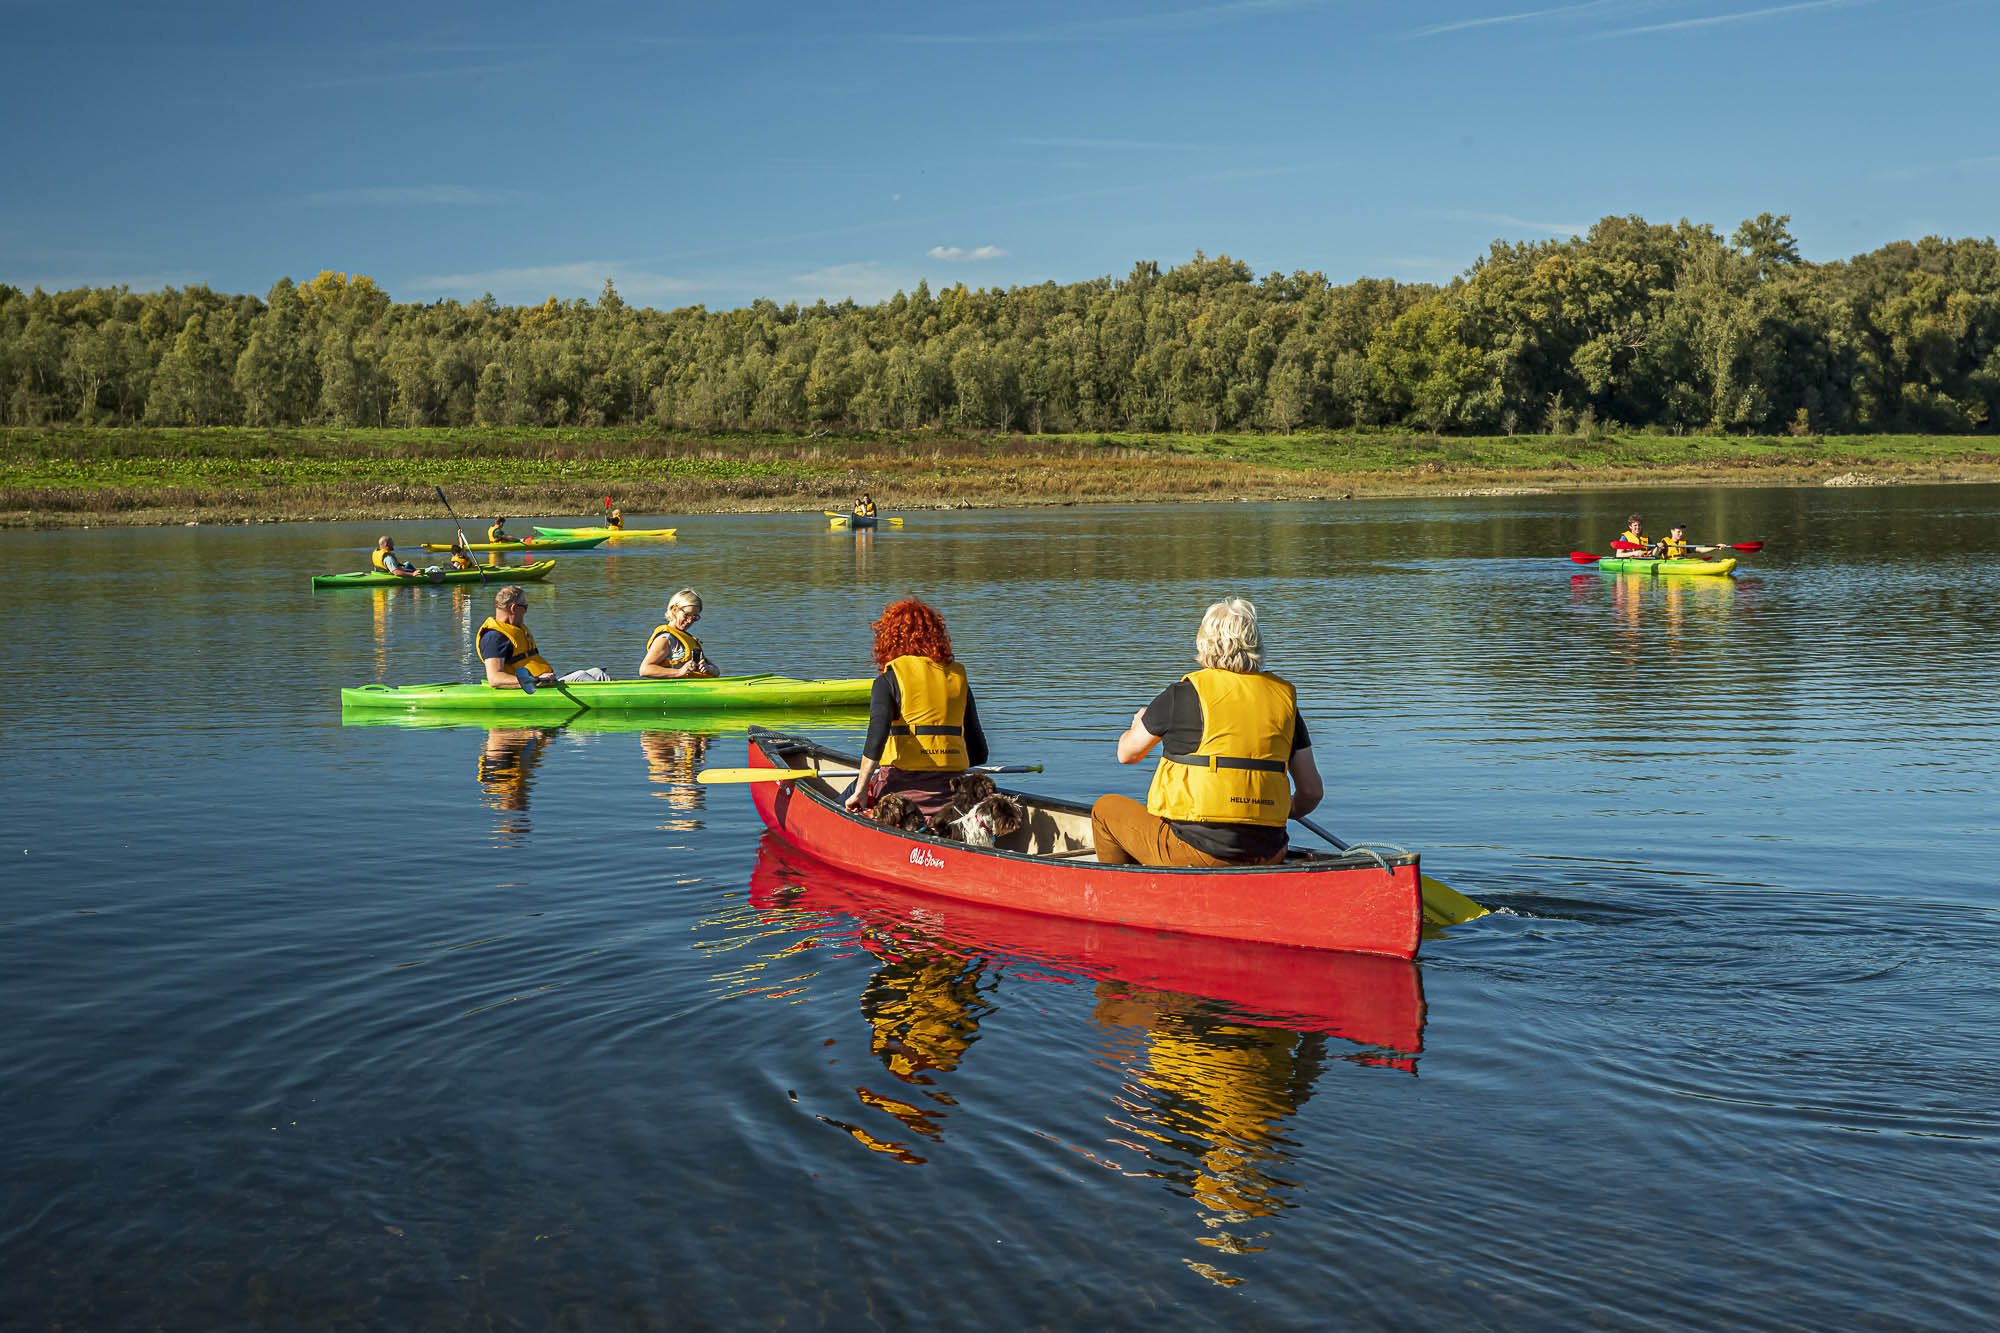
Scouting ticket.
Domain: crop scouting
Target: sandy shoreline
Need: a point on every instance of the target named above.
(914, 491)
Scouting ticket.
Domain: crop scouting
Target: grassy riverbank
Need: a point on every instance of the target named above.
(68, 478)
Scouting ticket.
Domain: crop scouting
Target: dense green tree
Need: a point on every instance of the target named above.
(1641, 324)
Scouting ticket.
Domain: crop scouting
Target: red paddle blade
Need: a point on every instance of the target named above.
(1584, 557)
(1620, 544)
(1746, 546)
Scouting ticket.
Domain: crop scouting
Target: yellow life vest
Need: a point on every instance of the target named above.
(386, 562)
(687, 641)
(617, 520)
(1673, 550)
(525, 653)
(865, 510)
(460, 561)
(1626, 536)
(929, 736)
(1238, 774)
(497, 533)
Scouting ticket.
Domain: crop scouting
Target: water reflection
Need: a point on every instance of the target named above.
(1657, 621)
(672, 760)
(507, 763)
(672, 750)
(1214, 1045)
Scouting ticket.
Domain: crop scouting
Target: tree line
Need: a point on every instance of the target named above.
(1634, 326)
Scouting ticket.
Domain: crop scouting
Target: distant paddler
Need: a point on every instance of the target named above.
(1236, 762)
(507, 647)
(498, 532)
(386, 562)
(865, 506)
(460, 557)
(672, 652)
(615, 519)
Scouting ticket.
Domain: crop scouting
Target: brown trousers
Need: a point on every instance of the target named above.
(1125, 833)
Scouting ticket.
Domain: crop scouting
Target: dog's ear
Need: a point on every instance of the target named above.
(1006, 814)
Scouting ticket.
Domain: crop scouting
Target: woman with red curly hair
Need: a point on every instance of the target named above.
(923, 727)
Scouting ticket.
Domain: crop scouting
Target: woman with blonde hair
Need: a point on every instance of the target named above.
(1235, 763)
(672, 650)
(923, 726)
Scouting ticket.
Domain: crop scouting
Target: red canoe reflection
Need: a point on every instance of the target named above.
(1364, 998)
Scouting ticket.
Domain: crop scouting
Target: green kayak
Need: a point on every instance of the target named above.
(850, 721)
(696, 693)
(496, 575)
(1678, 568)
(525, 544)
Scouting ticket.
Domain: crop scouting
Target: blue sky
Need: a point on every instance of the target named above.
(719, 153)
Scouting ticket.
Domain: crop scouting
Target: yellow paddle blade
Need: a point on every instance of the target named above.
(715, 775)
(1446, 906)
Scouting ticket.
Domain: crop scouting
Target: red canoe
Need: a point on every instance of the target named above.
(1360, 901)
(1364, 998)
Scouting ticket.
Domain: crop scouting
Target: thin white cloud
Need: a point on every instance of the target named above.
(403, 196)
(1743, 16)
(1525, 16)
(136, 281)
(1970, 166)
(1508, 220)
(536, 281)
(955, 255)
(863, 283)
(424, 75)
(1114, 145)
(1176, 20)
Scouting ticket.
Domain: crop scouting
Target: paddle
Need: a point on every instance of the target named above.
(1752, 547)
(527, 680)
(743, 775)
(463, 544)
(1442, 904)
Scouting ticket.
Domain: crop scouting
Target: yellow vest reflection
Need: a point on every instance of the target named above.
(507, 764)
(923, 1014)
(672, 760)
(1202, 1087)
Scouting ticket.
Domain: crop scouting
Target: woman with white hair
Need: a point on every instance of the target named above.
(1235, 760)
(671, 651)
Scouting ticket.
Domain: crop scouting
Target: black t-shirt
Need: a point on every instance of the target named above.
(492, 643)
(1175, 717)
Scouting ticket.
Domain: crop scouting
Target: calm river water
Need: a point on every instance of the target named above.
(307, 1023)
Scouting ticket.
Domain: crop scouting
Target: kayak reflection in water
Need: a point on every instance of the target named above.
(507, 646)
(1232, 738)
